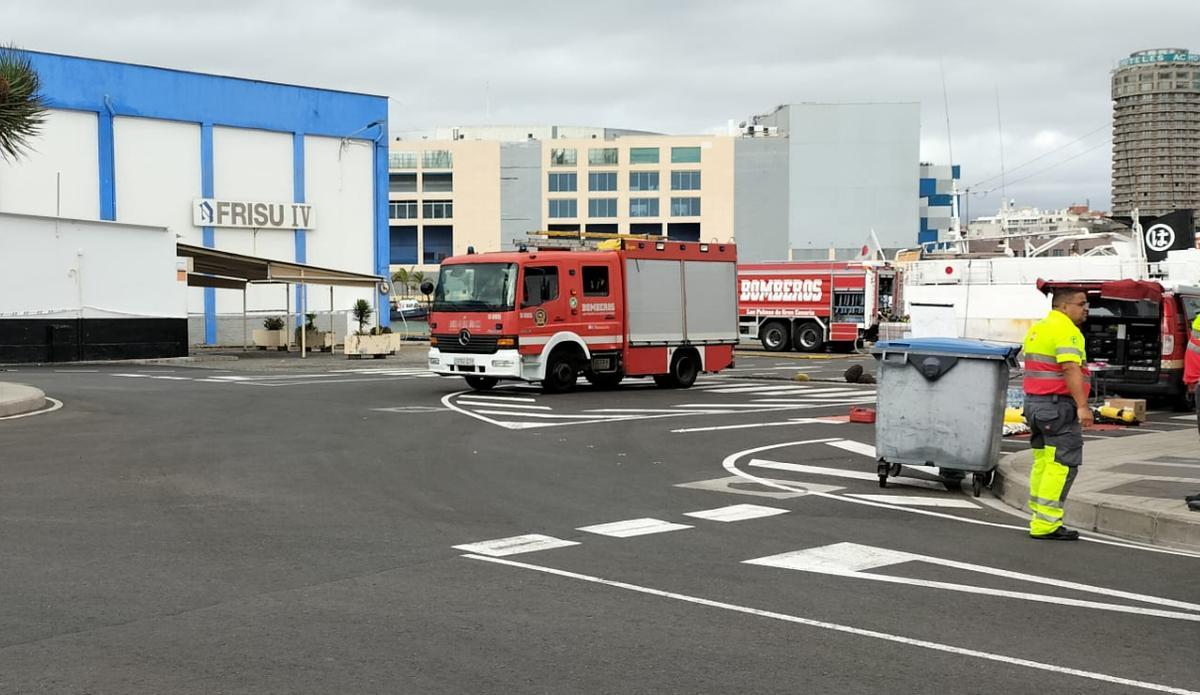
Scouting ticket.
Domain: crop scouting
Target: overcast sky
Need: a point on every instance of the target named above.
(678, 67)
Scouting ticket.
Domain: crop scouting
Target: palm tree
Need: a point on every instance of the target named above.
(400, 277)
(22, 110)
(362, 311)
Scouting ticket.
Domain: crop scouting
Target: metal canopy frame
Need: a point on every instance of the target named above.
(233, 271)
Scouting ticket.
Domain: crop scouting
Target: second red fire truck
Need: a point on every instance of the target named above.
(808, 304)
(640, 308)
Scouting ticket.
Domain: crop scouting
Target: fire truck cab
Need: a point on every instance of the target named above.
(636, 308)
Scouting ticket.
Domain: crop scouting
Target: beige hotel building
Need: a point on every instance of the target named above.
(794, 183)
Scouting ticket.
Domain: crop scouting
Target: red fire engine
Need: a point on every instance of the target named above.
(806, 304)
(664, 309)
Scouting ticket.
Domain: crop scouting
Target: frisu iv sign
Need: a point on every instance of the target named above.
(209, 212)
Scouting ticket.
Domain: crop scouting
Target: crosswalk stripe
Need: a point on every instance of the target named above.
(515, 545)
(736, 512)
(482, 397)
(633, 527)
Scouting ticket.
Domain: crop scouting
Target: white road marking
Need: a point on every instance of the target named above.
(852, 560)
(494, 404)
(55, 404)
(172, 378)
(729, 463)
(502, 398)
(633, 527)
(633, 411)
(855, 447)
(542, 415)
(792, 421)
(845, 629)
(134, 376)
(737, 512)
(815, 402)
(758, 389)
(515, 544)
(1189, 418)
(914, 501)
(730, 484)
(842, 473)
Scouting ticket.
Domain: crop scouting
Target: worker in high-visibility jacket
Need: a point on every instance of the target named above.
(1056, 409)
(1191, 377)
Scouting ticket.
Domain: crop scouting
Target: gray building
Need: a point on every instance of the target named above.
(847, 168)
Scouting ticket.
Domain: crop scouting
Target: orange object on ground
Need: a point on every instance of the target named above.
(863, 415)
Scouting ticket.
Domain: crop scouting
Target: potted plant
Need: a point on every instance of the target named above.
(363, 343)
(272, 334)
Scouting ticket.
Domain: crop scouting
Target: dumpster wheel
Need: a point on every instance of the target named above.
(977, 484)
(882, 470)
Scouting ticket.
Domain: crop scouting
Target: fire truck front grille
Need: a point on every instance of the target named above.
(476, 345)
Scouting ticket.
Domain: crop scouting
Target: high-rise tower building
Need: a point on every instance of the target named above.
(1156, 132)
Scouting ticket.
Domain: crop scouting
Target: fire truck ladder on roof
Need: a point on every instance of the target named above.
(579, 241)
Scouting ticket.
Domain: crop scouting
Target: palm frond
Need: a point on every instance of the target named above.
(22, 109)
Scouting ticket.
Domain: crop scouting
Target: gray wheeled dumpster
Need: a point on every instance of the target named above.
(941, 403)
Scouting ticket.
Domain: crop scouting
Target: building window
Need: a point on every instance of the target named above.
(439, 242)
(685, 155)
(643, 180)
(402, 183)
(566, 207)
(595, 281)
(562, 183)
(403, 210)
(643, 155)
(437, 183)
(402, 160)
(685, 180)
(540, 285)
(606, 181)
(603, 156)
(562, 157)
(603, 228)
(602, 207)
(685, 207)
(437, 209)
(437, 159)
(683, 231)
(643, 207)
(403, 245)
(649, 228)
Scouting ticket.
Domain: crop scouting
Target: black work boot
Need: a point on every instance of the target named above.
(1062, 533)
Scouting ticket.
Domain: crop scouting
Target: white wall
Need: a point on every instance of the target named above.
(43, 258)
(68, 144)
(157, 165)
(253, 165)
(338, 182)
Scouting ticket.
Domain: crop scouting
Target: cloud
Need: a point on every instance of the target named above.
(1036, 72)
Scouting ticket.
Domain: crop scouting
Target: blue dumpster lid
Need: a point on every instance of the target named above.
(966, 347)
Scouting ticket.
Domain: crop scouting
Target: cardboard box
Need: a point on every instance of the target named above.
(1137, 405)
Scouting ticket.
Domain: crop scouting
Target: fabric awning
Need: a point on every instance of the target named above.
(225, 269)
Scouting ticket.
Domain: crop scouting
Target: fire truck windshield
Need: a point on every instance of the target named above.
(476, 287)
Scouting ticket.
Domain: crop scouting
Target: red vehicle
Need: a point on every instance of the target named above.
(663, 309)
(1136, 333)
(806, 304)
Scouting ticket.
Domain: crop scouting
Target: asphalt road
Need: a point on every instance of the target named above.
(371, 528)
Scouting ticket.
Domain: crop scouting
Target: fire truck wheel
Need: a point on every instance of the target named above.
(481, 383)
(560, 373)
(774, 337)
(808, 337)
(684, 368)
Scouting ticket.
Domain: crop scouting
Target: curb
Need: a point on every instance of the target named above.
(191, 359)
(1125, 521)
(18, 399)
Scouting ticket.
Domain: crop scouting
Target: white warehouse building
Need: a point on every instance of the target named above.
(140, 159)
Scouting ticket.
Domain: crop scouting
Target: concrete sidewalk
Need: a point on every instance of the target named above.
(18, 399)
(1131, 486)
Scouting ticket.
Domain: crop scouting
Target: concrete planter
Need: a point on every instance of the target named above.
(316, 340)
(264, 339)
(376, 346)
